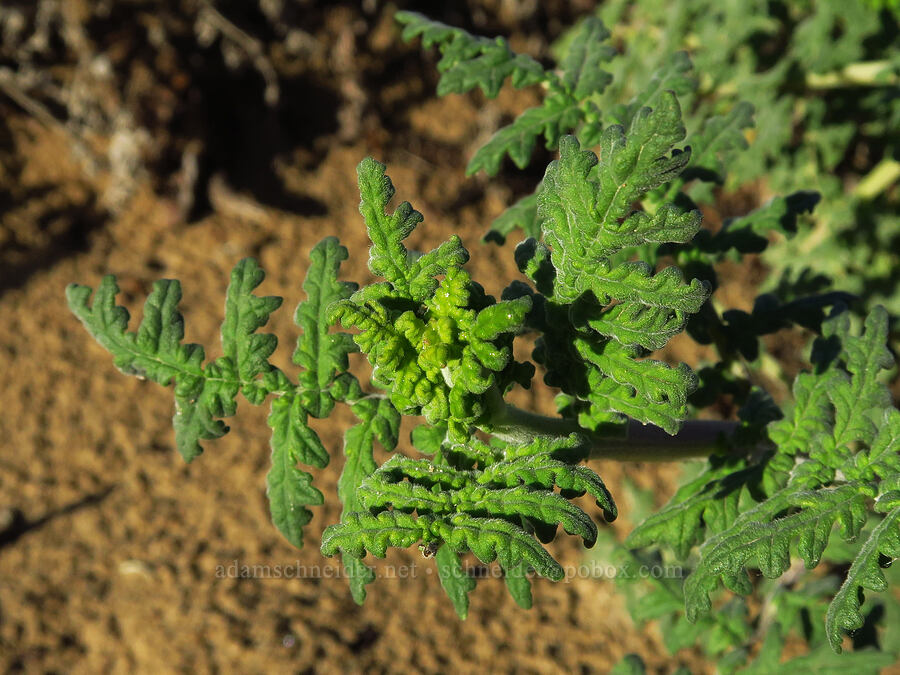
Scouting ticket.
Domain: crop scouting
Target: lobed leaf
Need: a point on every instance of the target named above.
(469, 61)
(454, 580)
(360, 532)
(522, 215)
(245, 313)
(156, 352)
(288, 488)
(582, 72)
(585, 222)
(758, 539)
(388, 258)
(321, 353)
(566, 108)
(378, 420)
(720, 137)
(865, 571)
(703, 502)
(556, 116)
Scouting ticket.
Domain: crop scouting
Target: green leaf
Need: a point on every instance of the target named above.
(495, 539)
(811, 416)
(454, 579)
(542, 470)
(865, 572)
(492, 510)
(156, 352)
(581, 67)
(358, 533)
(289, 489)
(704, 502)
(555, 117)
(522, 215)
(519, 585)
(585, 221)
(360, 575)
(244, 314)
(759, 539)
(388, 258)
(856, 398)
(469, 61)
(292, 435)
(566, 107)
(608, 396)
(488, 538)
(195, 415)
(543, 506)
(378, 420)
(428, 439)
(659, 386)
(750, 233)
(674, 75)
(722, 136)
(323, 354)
(503, 317)
(631, 323)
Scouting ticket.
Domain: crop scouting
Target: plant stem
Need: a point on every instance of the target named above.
(862, 74)
(879, 179)
(698, 439)
(643, 443)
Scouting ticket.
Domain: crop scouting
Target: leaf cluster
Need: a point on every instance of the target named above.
(616, 264)
(834, 459)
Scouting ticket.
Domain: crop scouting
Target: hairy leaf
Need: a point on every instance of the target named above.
(378, 420)
(388, 257)
(522, 215)
(323, 354)
(155, 352)
(468, 61)
(454, 580)
(245, 313)
(585, 221)
(290, 489)
(865, 572)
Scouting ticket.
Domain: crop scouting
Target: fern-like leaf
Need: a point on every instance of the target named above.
(454, 579)
(411, 275)
(865, 572)
(288, 488)
(322, 354)
(468, 61)
(203, 394)
(245, 313)
(567, 108)
(840, 448)
(585, 222)
(491, 510)
(763, 540)
(378, 420)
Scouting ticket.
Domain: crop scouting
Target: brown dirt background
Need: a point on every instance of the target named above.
(113, 565)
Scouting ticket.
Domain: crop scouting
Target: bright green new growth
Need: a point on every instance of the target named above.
(444, 350)
(440, 348)
(498, 482)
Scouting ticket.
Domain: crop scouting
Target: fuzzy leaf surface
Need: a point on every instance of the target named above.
(469, 61)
